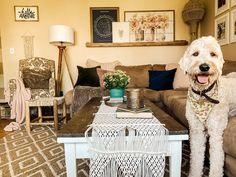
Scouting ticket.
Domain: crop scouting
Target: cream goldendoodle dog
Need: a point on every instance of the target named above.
(210, 100)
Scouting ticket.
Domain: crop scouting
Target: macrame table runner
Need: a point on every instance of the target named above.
(126, 147)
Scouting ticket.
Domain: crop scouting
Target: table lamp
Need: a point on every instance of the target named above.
(61, 36)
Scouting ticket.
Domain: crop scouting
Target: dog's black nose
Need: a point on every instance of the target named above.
(204, 67)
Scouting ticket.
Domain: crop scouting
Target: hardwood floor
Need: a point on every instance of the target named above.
(3, 123)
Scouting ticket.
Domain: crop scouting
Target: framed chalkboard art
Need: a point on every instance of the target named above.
(101, 19)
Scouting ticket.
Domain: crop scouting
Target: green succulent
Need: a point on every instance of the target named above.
(116, 79)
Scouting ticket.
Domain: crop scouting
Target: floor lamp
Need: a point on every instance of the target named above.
(61, 36)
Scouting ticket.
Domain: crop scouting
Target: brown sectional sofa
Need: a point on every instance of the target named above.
(171, 101)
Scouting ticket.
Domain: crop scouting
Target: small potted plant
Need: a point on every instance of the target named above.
(116, 82)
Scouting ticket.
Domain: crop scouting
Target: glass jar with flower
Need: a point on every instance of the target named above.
(116, 82)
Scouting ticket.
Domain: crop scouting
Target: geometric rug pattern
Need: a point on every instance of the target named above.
(39, 155)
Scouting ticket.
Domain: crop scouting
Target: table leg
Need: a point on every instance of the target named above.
(55, 114)
(175, 158)
(70, 158)
(27, 116)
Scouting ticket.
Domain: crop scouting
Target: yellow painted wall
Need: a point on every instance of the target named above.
(207, 28)
(75, 13)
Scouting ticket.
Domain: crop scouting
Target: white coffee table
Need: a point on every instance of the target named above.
(76, 145)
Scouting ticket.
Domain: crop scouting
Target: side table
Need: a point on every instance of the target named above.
(5, 109)
(42, 102)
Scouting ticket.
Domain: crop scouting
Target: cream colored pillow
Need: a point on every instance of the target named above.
(106, 66)
(181, 79)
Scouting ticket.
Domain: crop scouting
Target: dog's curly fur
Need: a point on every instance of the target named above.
(207, 51)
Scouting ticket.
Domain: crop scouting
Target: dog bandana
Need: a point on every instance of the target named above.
(201, 106)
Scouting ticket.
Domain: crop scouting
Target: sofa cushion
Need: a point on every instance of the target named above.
(230, 164)
(161, 80)
(138, 75)
(230, 137)
(87, 76)
(159, 67)
(175, 100)
(229, 66)
(181, 80)
(101, 73)
(107, 66)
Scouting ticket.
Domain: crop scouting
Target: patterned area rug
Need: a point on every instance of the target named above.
(39, 155)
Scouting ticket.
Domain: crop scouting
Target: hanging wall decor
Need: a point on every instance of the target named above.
(26, 13)
(28, 46)
(222, 29)
(221, 6)
(233, 26)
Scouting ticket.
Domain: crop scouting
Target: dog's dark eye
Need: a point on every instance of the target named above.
(195, 54)
(213, 54)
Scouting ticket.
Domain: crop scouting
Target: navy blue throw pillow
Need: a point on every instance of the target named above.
(88, 76)
(161, 80)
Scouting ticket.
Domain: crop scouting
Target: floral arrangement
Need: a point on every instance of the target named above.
(116, 79)
(149, 21)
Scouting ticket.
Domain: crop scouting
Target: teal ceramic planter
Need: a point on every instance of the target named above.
(116, 92)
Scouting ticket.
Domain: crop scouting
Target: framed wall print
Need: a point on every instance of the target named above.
(233, 3)
(222, 29)
(221, 6)
(101, 19)
(26, 13)
(120, 31)
(151, 26)
(233, 26)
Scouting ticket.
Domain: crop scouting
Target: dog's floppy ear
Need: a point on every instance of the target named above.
(183, 63)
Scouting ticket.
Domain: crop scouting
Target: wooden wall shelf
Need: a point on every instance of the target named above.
(138, 44)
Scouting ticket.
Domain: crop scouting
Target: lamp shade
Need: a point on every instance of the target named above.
(61, 35)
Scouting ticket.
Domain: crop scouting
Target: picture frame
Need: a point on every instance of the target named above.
(120, 31)
(221, 6)
(222, 29)
(233, 26)
(101, 19)
(151, 26)
(26, 13)
(232, 3)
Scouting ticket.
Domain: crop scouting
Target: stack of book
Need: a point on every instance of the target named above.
(124, 112)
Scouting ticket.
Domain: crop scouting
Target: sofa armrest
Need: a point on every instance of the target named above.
(230, 137)
(82, 94)
(153, 95)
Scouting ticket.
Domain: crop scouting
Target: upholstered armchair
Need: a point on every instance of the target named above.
(38, 74)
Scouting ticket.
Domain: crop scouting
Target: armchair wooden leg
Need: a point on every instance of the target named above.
(64, 112)
(27, 116)
(55, 114)
(40, 115)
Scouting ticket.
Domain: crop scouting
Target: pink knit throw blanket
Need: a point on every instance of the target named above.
(17, 104)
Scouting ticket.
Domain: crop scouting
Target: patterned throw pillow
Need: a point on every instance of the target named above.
(87, 77)
(161, 80)
(36, 79)
(101, 73)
